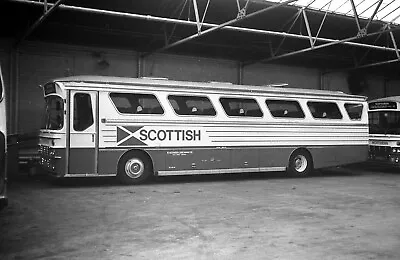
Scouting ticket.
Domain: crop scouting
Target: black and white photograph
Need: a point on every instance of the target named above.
(200, 129)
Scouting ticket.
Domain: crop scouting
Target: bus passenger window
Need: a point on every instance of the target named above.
(354, 110)
(324, 110)
(244, 107)
(83, 113)
(132, 103)
(192, 105)
(285, 108)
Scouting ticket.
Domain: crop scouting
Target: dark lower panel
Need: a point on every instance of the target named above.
(108, 161)
(338, 155)
(184, 159)
(81, 160)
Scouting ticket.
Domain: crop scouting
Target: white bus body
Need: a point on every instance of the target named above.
(3, 144)
(384, 129)
(137, 127)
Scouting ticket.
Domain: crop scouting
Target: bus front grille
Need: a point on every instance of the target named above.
(379, 150)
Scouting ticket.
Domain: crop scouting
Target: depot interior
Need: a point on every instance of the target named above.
(307, 44)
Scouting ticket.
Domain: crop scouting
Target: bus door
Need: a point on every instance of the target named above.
(83, 129)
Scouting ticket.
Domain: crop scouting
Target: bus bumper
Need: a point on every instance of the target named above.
(52, 161)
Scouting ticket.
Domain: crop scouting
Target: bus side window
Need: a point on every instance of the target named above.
(324, 110)
(285, 108)
(243, 107)
(83, 113)
(192, 105)
(133, 103)
(354, 110)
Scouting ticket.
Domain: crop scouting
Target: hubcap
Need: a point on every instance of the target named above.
(134, 168)
(300, 163)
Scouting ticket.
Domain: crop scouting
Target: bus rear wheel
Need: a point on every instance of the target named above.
(134, 168)
(300, 164)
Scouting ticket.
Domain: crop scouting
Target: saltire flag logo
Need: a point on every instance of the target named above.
(125, 136)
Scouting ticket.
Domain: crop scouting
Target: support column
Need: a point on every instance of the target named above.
(321, 80)
(140, 65)
(240, 73)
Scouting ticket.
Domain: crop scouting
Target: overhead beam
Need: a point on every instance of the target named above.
(373, 15)
(321, 46)
(46, 14)
(363, 66)
(353, 6)
(192, 23)
(239, 18)
(394, 44)
(196, 13)
(307, 27)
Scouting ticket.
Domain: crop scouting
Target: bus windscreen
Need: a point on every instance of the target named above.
(54, 113)
(384, 122)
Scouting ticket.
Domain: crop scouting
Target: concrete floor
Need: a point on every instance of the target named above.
(343, 213)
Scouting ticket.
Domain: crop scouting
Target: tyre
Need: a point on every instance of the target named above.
(300, 164)
(134, 168)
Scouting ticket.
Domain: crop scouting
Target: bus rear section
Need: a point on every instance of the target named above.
(3, 145)
(384, 131)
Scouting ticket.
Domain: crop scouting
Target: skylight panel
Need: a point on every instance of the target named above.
(389, 10)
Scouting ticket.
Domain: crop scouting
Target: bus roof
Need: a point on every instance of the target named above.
(226, 86)
(393, 98)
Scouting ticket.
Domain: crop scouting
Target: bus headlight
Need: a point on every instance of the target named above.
(395, 150)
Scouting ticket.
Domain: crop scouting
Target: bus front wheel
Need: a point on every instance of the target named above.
(134, 168)
(300, 164)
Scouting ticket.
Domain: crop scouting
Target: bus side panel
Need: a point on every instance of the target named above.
(275, 156)
(108, 160)
(197, 159)
(245, 158)
(326, 156)
(84, 161)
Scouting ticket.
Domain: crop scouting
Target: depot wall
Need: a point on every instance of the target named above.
(35, 63)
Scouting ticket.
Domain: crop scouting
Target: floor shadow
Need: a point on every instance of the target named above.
(46, 180)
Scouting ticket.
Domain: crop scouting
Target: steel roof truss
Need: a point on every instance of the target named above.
(376, 40)
(175, 24)
(330, 42)
(394, 43)
(335, 42)
(303, 11)
(296, 17)
(39, 21)
(372, 16)
(196, 14)
(242, 11)
(219, 27)
(320, 27)
(353, 6)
